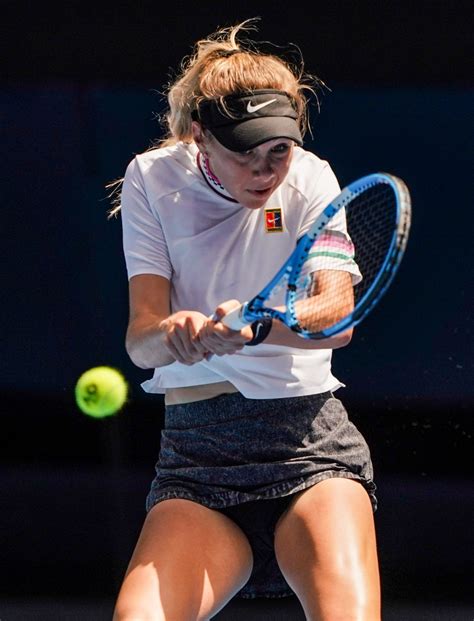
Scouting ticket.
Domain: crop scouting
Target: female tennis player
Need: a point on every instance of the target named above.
(263, 486)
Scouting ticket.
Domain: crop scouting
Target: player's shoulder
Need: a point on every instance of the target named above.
(308, 170)
(307, 162)
(172, 164)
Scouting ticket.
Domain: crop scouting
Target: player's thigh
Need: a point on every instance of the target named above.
(326, 548)
(189, 561)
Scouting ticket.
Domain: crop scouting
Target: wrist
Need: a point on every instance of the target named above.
(260, 329)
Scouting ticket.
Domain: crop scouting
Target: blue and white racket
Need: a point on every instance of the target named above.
(376, 210)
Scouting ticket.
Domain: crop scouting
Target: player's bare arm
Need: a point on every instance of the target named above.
(334, 294)
(155, 337)
(330, 299)
(218, 339)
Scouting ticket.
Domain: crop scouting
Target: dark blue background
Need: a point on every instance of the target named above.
(65, 268)
(79, 98)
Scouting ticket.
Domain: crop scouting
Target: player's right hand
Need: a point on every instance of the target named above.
(181, 331)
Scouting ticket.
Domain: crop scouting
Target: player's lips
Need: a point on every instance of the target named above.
(262, 192)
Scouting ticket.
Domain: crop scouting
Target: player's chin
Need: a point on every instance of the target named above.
(254, 199)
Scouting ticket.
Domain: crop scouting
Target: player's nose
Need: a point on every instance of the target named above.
(262, 167)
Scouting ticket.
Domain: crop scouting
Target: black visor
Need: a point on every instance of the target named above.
(248, 120)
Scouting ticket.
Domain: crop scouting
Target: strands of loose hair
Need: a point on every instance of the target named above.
(223, 63)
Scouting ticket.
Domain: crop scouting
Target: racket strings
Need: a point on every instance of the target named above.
(371, 221)
(342, 270)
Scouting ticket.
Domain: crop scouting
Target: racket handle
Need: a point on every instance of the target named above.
(235, 320)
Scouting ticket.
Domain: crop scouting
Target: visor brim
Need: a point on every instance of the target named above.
(251, 133)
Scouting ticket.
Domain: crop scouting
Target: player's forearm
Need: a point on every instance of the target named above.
(145, 344)
(323, 311)
(315, 317)
(282, 335)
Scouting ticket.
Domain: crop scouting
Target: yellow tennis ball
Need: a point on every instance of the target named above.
(101, 391)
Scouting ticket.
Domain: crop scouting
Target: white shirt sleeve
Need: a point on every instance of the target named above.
(320, 191)
(333, 249)
(144, 244)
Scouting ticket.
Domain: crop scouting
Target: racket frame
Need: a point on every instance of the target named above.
(255, 308)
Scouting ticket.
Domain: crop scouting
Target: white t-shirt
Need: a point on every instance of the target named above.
(213, 249)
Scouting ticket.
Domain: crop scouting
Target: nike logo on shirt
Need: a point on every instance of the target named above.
(251, 108)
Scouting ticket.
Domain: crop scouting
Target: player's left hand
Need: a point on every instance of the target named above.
(220, 340)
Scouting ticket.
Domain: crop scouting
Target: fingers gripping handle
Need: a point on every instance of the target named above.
(235, 320)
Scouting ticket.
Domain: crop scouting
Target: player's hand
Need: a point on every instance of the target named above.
(181, 331)
(220, 340)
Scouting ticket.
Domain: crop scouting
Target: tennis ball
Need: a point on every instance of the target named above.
(101, 391)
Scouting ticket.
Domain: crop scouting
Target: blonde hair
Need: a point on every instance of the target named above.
(220, 65)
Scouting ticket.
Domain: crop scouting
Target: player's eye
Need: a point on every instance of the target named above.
(281, 148)
(244, 157)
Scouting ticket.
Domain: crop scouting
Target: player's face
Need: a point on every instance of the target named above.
(252, 176)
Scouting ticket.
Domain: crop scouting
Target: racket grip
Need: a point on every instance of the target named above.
(235, 320)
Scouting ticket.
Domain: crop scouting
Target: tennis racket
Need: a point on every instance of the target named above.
(356, 244)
